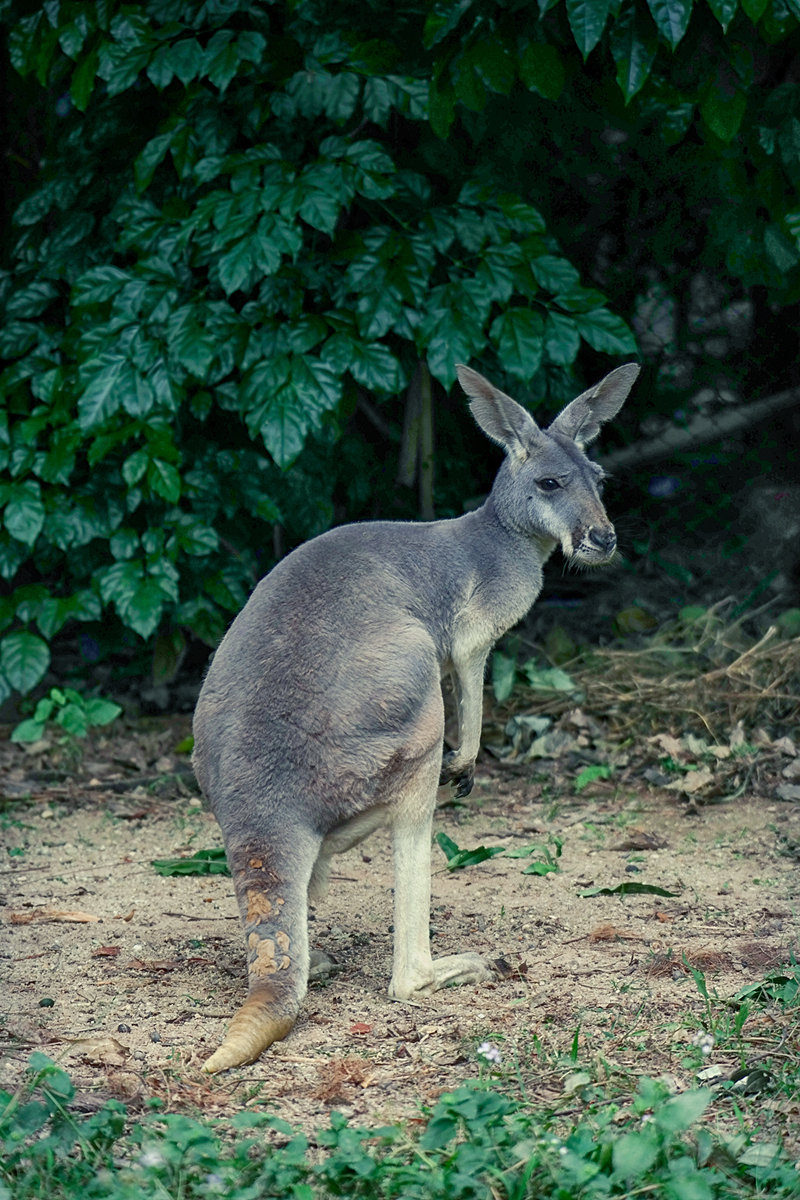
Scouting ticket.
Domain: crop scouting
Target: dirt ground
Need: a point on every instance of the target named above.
(128, 977)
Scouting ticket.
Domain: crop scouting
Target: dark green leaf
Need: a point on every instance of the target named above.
(441, 108)
(780, 249)
(202, 862)
(457, 859)
(28, 731)
(587, 20)
(221, 58)
(561, 339)
(504, 674)
(187, 59)
(82, 83)
(102, 712)
(23, 515)
(442, 19)
(320, 209)
(135, 466)
(671, 17)
(518, 334)
(724, 11)
(164, 480)
(629, 888)
(188, 343)
(755, 9)
(102, 397)
(99, 285)
(24, 659)
(31, 301)
(541, 69)
(554, 274)
(634, 1153)
(723, 110)
(634, 44)
(154, 153)
(605, 331)
(235, 266)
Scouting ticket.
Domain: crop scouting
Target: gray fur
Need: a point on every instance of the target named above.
(322, 716)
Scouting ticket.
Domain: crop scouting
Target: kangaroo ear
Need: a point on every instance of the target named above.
(500, 417)
(582, 418)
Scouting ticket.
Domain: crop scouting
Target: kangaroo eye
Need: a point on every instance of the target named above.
(548, 485)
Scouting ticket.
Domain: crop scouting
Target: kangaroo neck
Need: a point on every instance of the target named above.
(526, 543)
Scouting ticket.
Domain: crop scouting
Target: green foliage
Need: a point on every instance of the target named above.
(202, 862)
(505, 675)
(70, 711)
(476, 1144)
(547, 854)
(247, 216)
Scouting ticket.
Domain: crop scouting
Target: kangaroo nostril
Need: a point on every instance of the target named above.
(604, 539)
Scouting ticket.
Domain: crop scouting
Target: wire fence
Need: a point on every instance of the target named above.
(705, 463)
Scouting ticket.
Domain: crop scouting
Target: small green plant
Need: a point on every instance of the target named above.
(592, 773)
(548, 853)
(72, 712)
(505, 675)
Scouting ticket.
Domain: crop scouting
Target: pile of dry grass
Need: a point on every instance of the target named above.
(712, 673)
(688, 673)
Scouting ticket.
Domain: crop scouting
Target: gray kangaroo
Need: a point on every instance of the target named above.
(322, 719)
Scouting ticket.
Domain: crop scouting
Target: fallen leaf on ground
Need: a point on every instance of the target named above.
(50, 914)
(692, 782)
(640, 839)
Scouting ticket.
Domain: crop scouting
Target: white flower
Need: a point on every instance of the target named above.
(704, 1042)
(490, 1052)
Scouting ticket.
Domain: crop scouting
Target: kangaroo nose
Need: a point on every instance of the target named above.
(604, 539)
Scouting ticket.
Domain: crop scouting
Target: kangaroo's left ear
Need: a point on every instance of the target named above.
(582, 418)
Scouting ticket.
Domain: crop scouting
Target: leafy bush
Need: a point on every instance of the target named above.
(476, 1144)
(245, 217)
(69, 710)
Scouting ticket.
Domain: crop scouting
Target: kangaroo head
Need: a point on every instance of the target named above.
(547, 487)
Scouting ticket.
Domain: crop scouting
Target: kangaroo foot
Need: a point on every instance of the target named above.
(462, 777)
(450, 971)
(453, 970)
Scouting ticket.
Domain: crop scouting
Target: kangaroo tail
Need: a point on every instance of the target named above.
(272, 891)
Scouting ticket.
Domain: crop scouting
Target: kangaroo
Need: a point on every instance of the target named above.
(321, 717)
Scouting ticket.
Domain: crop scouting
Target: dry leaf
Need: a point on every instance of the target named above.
(640, 839)
(51, 914)
(103, 1051)
(692, 782)
(668, 744)
(610, 933)
(105, 952)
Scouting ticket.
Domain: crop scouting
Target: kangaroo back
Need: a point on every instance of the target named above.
(321, 716)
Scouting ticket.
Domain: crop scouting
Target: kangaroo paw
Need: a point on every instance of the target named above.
(462, 777)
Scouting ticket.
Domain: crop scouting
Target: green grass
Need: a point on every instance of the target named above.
(477, 1143)
(610, 1134)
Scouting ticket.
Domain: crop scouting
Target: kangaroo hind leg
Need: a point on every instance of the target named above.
(271, 883)
(415, 972)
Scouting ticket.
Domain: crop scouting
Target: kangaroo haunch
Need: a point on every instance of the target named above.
(322, 717)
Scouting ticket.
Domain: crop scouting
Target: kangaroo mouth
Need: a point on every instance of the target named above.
(586, 553)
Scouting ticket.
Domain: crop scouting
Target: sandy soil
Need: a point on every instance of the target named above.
(128, 977)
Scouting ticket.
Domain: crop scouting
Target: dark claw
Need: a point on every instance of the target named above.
(463, 779)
